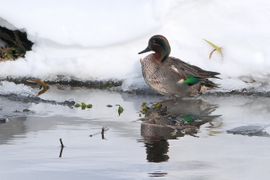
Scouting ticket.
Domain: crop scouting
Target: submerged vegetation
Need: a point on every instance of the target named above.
(120, 109)
(83, 105)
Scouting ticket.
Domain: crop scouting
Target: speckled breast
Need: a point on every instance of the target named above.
(154, 75)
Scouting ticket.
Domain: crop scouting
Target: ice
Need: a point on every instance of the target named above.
(7, 88)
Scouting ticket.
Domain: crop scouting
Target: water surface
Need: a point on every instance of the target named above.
(30, 147)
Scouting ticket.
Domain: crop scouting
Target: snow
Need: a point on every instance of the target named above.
(7, 88)
(100, 39)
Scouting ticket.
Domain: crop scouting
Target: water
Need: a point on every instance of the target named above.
(30, 147)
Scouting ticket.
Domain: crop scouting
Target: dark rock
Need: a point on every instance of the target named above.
(26, 110)
(249, 131)
(3, 120)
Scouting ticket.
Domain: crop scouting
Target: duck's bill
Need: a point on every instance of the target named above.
(144, 51)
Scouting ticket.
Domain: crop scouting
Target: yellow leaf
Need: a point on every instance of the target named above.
(218, 49)
(44, 85)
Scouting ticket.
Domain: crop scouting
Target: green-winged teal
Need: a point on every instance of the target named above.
(171, 76)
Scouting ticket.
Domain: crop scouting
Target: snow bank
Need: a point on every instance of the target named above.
(99, 39)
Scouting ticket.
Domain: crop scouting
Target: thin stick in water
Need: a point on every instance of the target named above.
(102, 133)
(62, 147)
(61, 142)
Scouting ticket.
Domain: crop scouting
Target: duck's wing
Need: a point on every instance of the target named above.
(185, 69)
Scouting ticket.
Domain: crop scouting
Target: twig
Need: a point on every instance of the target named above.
(102, 133)
(211, 53)
(62, 148)
(193, 135)
(61, 142)
(103, 130)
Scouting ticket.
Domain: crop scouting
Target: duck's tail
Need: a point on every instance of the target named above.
(209, 84)
(212, 74)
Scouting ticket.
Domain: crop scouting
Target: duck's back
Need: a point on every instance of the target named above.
(161, 76)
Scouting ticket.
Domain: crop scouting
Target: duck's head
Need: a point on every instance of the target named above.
(160, 45)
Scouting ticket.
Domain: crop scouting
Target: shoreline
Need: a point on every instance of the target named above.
(116, 86)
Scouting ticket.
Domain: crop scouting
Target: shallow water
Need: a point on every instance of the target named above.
(30, 147)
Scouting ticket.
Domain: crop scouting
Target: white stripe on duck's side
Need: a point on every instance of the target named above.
(174, 69)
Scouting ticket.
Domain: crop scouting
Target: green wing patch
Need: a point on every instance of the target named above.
(191, 80)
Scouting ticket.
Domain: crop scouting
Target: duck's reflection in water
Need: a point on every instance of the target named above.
(171, 119)
(156, 151)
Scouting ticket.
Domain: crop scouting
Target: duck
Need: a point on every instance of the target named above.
(171, 76)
